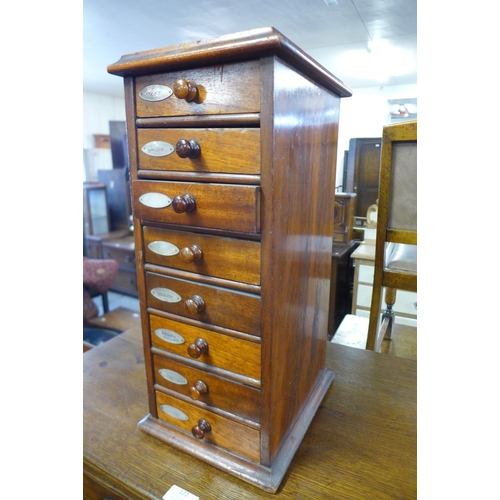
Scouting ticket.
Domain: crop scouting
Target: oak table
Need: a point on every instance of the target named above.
(362, 442)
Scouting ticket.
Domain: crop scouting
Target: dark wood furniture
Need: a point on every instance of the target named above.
(395, 266)
(361, 442)
(362, 173)
(341, 284)
(232, 148)
(342, 268)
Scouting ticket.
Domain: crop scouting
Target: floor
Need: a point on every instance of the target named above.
(353, 332)
(124, 313)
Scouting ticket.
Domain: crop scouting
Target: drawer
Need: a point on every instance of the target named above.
(218, 306)
(227, 258)
(217, 150)
(222, 352)
(124, 256)
(223, 432)
(210, 389)
(223, 88)
(125, 282)
(217, 206)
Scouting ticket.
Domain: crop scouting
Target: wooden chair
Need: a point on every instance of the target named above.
(396, 240)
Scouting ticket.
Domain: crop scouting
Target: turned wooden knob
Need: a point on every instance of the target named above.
(187, 149)
(198, 388)
(201, 429)
(195, 304)
(199, 347)
(184, 203)
(190, 254)
(185, 90)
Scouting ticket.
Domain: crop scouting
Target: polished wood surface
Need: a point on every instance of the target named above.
(227, 258)
(223, 348)
(219, 206)
(222, 307)
(361, 443)
(227, 88)
(243, 45)
(220, 150)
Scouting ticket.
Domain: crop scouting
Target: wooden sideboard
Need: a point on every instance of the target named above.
(362, 442)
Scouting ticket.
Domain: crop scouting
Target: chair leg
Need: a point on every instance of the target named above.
(390, 299)
(105, 303)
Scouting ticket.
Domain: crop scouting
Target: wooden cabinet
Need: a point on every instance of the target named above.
(362, 172)
(405, 305)
(232, 147)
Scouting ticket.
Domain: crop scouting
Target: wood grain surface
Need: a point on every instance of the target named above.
(361, 443)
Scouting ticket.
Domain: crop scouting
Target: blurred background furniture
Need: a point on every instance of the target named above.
(98, 276)
(361, 176)
(342, 269)
(395, 263)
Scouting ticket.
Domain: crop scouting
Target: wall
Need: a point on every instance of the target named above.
(98, 111)
(362, 115)
(365, 113)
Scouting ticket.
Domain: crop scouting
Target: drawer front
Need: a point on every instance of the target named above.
(227, 258)
(229, 353)
(210, 389)
(124, 256)
(221, 150)
(224, 88)
(217, 206)
(224, 432)
(126, 282)
(229, 309)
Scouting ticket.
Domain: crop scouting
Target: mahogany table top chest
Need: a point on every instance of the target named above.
(232, 150)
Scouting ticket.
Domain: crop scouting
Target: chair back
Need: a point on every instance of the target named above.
(397, 206)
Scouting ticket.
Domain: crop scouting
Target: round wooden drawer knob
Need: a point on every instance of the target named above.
(187, 149)
(195, 304)
(201, 429)
(198, 388)
(199, 347)
(190, 254)
(184, 203)
(185, 90)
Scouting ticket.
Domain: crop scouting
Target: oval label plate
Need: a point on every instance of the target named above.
(157, 148)
(155, 200)
(155, 93)
(169, 336)
(166, 295)
(163, 248)
(171, 376)
(174, 412)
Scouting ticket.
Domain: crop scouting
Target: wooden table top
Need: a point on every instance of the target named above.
(365, 251)
(362, 442)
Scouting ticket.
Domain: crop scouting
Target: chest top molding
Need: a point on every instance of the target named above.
(254, 43)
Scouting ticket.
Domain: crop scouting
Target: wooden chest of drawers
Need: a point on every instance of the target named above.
(232, 146)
